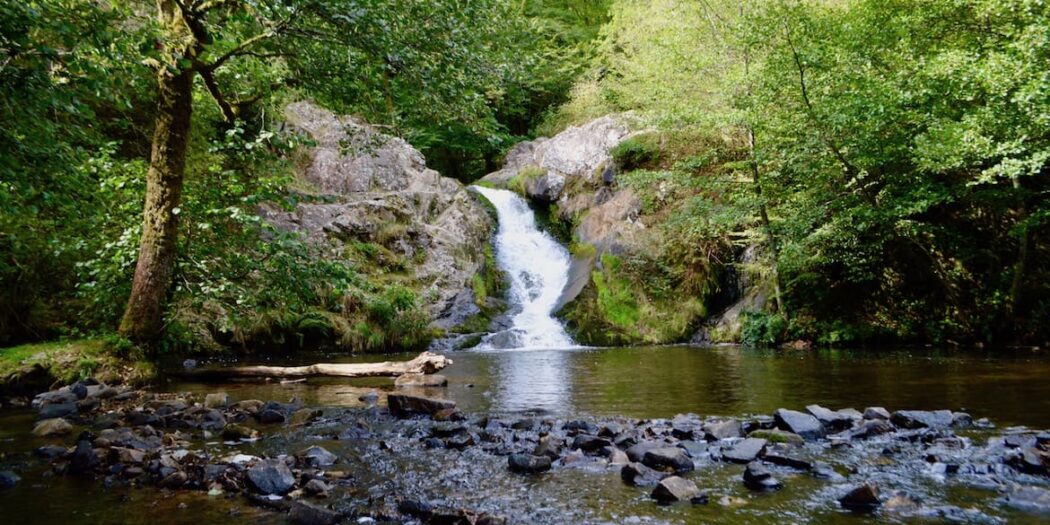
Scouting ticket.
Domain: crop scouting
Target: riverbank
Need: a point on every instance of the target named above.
(27, 369)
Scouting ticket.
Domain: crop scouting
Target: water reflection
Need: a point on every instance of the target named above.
(535, 381)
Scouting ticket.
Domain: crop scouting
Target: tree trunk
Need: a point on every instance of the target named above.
(425, 363)
(143, 318)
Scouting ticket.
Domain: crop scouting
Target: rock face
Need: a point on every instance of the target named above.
(374, 188)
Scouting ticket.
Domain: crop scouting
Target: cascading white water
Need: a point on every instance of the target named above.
(538, 269)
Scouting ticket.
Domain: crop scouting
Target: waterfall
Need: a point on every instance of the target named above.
(538, 269)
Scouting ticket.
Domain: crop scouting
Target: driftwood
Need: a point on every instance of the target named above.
(425, 363)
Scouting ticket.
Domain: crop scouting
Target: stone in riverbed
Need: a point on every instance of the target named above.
(83, 459)
(787, 461)
(1031, 460)
(640, 475)
(745, 451)
(862, 499)
(549, 445)
(825, 472)
(759, 478)
(832, 421)
(271, 476)
(52, 427)
(421, 380)
(778, 436)
(57, 410)
(1035, 500)
(216, 400)
(318, 457)
(588, 443)
(637, 451)
(668, 458)
(715, 431)
(303, 416)
(403, 405)
(128, 456)
(871, 427)
(50, 452)
(238, 432)
(913, 419)
(876, 413)
(674, 489)
(270, 416)
(528, 464)
(805, 425)
(306, 513)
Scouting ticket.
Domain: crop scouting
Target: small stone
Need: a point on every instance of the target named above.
(759, 478)
(778, 436)
(460, 441)
(871, 428)
(50, 452)
(318, 457)
(271, 476)
(238, 432)
(805, 425)
(306, 513)
(745, 451)
(57, 410)
(640, 475)
(174, 480)
(317, 488)
(787, 461)
(862, 499)
(449, 414)
(250, 406)
(52, 427)
(668, 458)
(528, 464)
(674, 489)
(216, 400)
(127, 455)
(876, 413)
(825, 472)
(550, 446)
(961, 420)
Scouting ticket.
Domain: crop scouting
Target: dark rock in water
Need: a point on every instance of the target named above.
(83, 459)
(804, 425)
(447, 429)
(1043, 439)
(550, 446)
(402, 405)
(913, 419)
(1035, 500)
(745, 451)
(50, 452)
(433, 443)
(8, 479)
(1031, 460)
(832, 421)
(524, 424)
(318, 457)
(237, 432)
(271, 476)
(460, 441)
(305, 513)
(637, 451)
(528, 464)
(668, 457)
(589, 443)
(825, 472)
(759, 478)
(686, 427)
(640, 475)
(270, 416)
(57, 410)
(174, 480)
(79, 389)
(876, 413)
(610, 430)
(579, 427)
(723, 430)
(961, 420)
(674, 489)
(872, 427)
(787, 461)
(864, 498)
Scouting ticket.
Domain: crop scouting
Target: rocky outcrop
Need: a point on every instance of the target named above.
(367, 187)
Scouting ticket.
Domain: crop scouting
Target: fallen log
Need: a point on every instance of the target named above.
(425, 363)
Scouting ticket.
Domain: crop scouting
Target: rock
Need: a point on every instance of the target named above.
(50, 452)
(668, 458)
(745, 451)
(216, 400)
(270, 416)
(695, 449)
(805, 425)
(317, 487)
(1035, 500)
(637, 451)
(674, 489)
(778, 436)
(577, 427)
(787, 461)
(433, 443)
(546, 187)
(686, 427)
(271, 476)
(618, 457)
(640, 475)
(759, 478)
(127, 456)
(79, 389)
(460, 441)
(864, 498)
(723, 430)
(403, 405)
(913, 419)
(832, 421)
(528, 464)
(421, 380)
(306, 513)
(550, 446)
(304, 416)
(318, 457)
(238, 432)
(588, 443)
(872, 427)
(901, 503)
(876, 413)
(825, 472)
(83, 459)
(250, 406)
(57, 410)
(449, 414)
(52, 427)
(8, 479)
(961, 420)
(174, 480)
(1031, 460)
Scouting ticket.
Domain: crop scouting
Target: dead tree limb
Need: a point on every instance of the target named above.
(425, 363)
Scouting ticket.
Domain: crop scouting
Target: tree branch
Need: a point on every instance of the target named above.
(228, 114)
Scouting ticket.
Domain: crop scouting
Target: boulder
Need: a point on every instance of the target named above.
(57, 410)
(269, 416)
(304, 416)
(786, 461)
(913, 419)
(640, 475)
(52, 427)
(876, 413)
(528, 464)
(238, 432)
(317, 487)
(745, 451)
(862, 499)
(805, 425)
(831, 420)
(672, 458)
(421, 380)
(316, 456)
(759, 478)
(674, 489)
(305, 513)
(216, 400)
(637, 451)
(128, 456)
(404, 405)
(83, 459)
(589, 443)
(546, 187)
(270, 476)
(870, 428)
(1031, 460)
(715, 431)
(550, 446)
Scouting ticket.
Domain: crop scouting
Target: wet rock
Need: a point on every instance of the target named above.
(961, 420)
(686, 427)
(528, 464)
(433, 443)
(251, 406)
(805, 425)
(524, 424)
(640, 475)
(128, 456)
(588, 443)
(1031, 460)
(674, 489)
(52, 427)
(778, 436)
(577, 427)
(79, 389)
(695, 449)
(403, 405)
(304, 416)
(421, 380)
(902, 503)
(668, 458)
(50, 452)
(238, 432)
(715, 431)
(1035, 500)
(876, 413)
(618, 457)
(318, 457)
(787, 461)
(317, 487)
(862, 499)
(212, 420)
(759, 478)
(8, 479)
(62, 396)
(832, 421)
(871, 428)
(550, 446)
(1043, 439)
(637, 451)
(57, 410)
(611, 430)
(306, 513)
(83, 458)
(914, 419)
(745, 451)
(460, 441)
(270, 476)
(449, 414)
(825, 472)
(216, 400)
(174, 480)
(447, 429)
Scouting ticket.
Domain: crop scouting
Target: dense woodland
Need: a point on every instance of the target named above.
(888, 157)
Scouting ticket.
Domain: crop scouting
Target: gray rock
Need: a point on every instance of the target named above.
(825, 472)
(550, 446)
(729, 428)
(832, 421)
(872, 427)
(545, 188)
(317, 488)
(876, 413)
(745, 451)
(403, 405)
(637, 451)
(270, 416)
(805, 425)
(528, 464)
(1035, 500)
(862, 499)
(759, 478)
(424, 380)
(588, 443)
(674, 489)
(305, 513)
(778, 436)
(316, 456)
(270, 476)
(668, 458)
(216, 400)
(57, 410)
(1031, 460)
(83, 458)
(961, 420)
(52, 427)
(639, 475)
(786, 461)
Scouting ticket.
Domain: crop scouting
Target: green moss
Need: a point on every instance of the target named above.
(520, 181)
(111, 360)
(636, 152)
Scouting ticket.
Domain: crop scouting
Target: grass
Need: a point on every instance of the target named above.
(70, 360)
